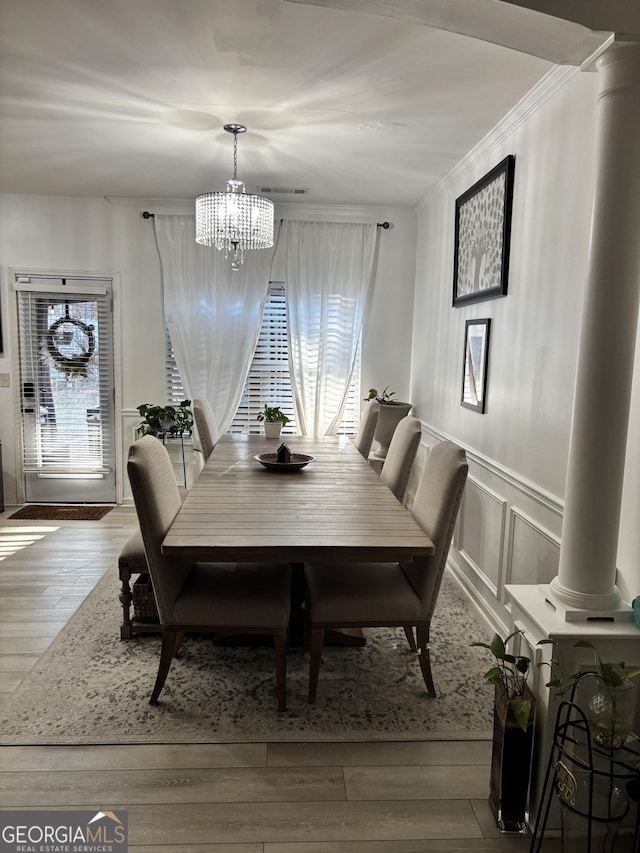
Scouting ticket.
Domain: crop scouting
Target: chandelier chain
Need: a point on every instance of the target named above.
(235, 156)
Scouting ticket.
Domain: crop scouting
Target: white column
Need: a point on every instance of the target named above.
(586, 576)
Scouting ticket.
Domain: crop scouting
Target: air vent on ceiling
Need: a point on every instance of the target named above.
(285, 190)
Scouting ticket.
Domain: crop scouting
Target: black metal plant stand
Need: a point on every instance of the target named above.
(172, 435)
(575, 757)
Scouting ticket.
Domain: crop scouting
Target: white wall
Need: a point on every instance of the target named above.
(110, 238)
(386, 341)
(510, 526)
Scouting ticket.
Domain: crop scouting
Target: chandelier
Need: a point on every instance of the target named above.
(234, 220)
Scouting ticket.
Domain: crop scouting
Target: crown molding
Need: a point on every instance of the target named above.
(535, 98)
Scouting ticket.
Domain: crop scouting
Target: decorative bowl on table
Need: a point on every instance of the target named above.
(296, 461)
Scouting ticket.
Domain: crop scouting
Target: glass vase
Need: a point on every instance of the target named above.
(610, 714)
(511, 763)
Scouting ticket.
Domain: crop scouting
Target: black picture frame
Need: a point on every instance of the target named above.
(475, 363)
(483, 236)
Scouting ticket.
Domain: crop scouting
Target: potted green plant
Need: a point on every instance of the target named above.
(273, 420)
(513, 723)
(610, 707)
(161, 421)
(391, 413)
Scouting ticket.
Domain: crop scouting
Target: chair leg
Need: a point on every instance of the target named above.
(424, 657)
(166, 656)
(180, 635)
(315, 649)
(280, 645)
(408, 630)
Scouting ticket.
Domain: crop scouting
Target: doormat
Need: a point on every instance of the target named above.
(44, 512)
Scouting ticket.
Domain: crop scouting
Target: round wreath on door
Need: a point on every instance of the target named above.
(70, 345)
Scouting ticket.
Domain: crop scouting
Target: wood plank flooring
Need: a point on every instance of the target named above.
(378, 797)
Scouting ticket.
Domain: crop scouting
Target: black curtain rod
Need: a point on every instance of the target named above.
(384, 225)
(147, 215)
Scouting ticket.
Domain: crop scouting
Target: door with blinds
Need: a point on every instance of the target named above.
(65, 339)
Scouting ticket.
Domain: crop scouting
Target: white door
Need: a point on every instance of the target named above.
(65, 339)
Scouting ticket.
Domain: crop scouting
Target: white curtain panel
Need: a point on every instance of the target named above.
(213, 313)
(329, 270)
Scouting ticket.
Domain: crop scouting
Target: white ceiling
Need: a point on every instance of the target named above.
(128, 98)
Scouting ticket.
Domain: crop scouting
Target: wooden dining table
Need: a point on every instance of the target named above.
(336, 508)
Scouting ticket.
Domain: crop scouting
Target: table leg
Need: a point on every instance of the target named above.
(344, 637)
(332, 636)
(126, 630)
(296, 619)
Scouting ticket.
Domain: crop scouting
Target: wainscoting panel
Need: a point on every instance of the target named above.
(481, 532)
(508, 531)
(533, 552)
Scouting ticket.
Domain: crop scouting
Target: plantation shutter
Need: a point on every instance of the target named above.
(175, 388)
(66, 377)
(351, 415)
(268, 380)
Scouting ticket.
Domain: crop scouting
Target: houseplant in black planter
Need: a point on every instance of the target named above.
(513, 724)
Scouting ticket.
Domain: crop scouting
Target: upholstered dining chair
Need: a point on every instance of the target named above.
(401, 455)
(205, 425)
(367, 428)
(367, 595)
(219, 598)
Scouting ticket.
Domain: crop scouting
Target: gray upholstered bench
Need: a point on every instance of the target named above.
(132, 561)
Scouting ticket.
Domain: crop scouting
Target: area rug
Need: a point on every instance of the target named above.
(90, 687)
(50, 512)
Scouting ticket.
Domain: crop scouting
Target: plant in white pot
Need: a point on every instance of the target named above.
(273, 420)
(391, 413)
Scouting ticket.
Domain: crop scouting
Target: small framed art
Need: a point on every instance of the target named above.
(483, 236)
(475, 364)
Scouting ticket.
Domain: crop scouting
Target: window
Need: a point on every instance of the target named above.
(268, 378)
(175, 389)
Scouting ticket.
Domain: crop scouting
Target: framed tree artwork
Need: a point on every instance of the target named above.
(474, 364)
(482, 236)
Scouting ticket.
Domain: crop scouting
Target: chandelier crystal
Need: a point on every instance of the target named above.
(234, 220)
